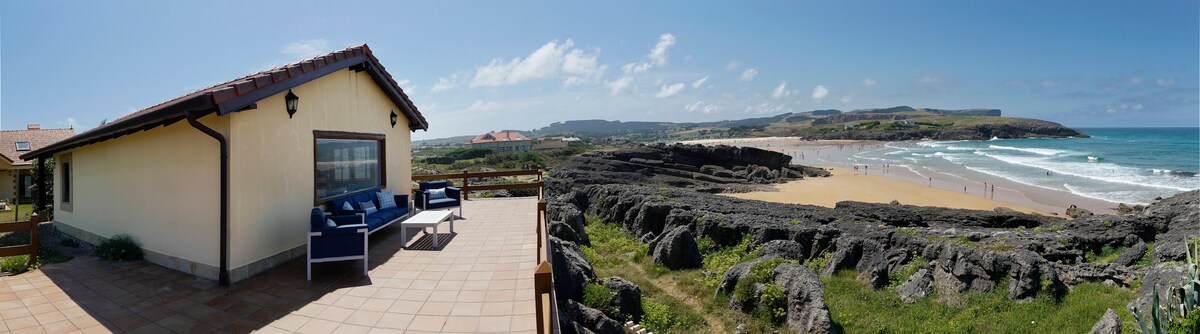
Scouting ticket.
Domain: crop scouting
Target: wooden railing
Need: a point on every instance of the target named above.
(545, 304)
(27, 249)
(466, 176)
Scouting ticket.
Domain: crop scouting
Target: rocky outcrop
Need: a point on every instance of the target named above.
(626, 300)
(571, 270)
(806, 309)
(671, 204)
(1012, 128)
(574, 317)
(676, 250)
(1164, 279)
(1109, 323)
(1076, 212)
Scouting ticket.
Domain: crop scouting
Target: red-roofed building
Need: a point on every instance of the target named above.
(502, 142)
(15, 173)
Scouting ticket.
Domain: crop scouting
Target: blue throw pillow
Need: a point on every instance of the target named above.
(368, 207)
(329, 223)
(437, 193)
(346, 206)
(387, 200)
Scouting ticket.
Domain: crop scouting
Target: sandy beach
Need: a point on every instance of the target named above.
(881, 184)
(850, 185)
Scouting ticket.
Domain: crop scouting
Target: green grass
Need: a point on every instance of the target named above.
(1147, 259)
(857, 308)
(1106, 254)
(20, 214)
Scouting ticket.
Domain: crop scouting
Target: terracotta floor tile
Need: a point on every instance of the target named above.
(495, 324)
(431, 323)
(395, 320)
(363, 318)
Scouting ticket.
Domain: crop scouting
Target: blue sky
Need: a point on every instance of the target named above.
(477, 66)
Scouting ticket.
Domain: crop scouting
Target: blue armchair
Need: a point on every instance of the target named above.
(344, 242)
(453, 196)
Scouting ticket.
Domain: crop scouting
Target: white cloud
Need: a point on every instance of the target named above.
(868, 82)
(619, 85)
(636, 68)
(483, 106)
(1135, 80)
(407, 85)
(658, 54)
(700, 106)
(847, 98)
(71, 122)
(733, 65)
(819, 93)
(669, 90)
(549, 61)
(306, 48)
(1164, 82)
(444, 84)
(748, 74)
(767, 108)
(700, 82)
(781, 91)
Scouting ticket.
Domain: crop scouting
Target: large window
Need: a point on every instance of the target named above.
(347, 163)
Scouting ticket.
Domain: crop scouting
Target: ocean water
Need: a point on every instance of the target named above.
(1120, 165)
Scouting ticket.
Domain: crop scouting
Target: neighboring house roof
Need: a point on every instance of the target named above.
(35, 136)
(498, 137)
(241, 94)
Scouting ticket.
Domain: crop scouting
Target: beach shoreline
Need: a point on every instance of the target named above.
(839, 154)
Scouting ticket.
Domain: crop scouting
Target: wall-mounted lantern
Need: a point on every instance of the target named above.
(292, 102)
(394, 118)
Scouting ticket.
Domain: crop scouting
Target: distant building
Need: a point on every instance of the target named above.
(502, 142)
(16, 174)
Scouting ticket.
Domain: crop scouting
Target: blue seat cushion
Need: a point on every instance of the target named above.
(385, 215)
(442, 203)
(374, 222)
(395, 212)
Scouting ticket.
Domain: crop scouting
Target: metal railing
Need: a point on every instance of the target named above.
(466, 176)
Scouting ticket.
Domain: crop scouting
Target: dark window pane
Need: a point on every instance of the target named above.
(345, 166)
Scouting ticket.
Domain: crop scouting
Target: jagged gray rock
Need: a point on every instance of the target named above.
(786, 249)
(574, 317)
(1076, 212)
(1131, 255)
(627, 301)
(916, 287)
(677, 250)
(1164, 278)
(807, 312)
(571, 269)
(1110, 323)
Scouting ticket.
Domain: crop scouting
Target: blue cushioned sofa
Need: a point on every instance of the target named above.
(348, 240)
(453, 196)
(374, 221)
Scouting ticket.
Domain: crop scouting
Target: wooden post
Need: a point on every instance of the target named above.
(542, 283)
(539, 180)
(33, 238)
(465, 186)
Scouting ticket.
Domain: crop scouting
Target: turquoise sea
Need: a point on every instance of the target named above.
(1120, 165)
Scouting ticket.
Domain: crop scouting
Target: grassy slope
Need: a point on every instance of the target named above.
(686, 299)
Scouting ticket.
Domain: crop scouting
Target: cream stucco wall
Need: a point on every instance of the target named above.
(271, 164)
(160, 186)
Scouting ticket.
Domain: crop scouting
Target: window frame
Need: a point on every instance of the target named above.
(379, 137)
(27, 146)
(65, 187)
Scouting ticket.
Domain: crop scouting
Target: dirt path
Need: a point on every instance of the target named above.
(668, 286)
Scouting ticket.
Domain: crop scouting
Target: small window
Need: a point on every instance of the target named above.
(66, 182)
(22, 146)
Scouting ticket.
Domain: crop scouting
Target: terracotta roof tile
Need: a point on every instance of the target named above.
(36, 139)
(498, 137)
(230, 90)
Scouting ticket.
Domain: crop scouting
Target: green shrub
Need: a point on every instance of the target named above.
(761, 272)
(899, 276)
(772, 304)
(598, 296)
(68, 242)
(1147, 259)
(14, 264)
(120, 247)
(718, 260)
(818, 263)
(1106, 254)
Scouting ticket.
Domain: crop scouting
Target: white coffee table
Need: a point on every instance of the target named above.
(426, 219)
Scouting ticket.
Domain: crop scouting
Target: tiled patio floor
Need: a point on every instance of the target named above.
(480, 281)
